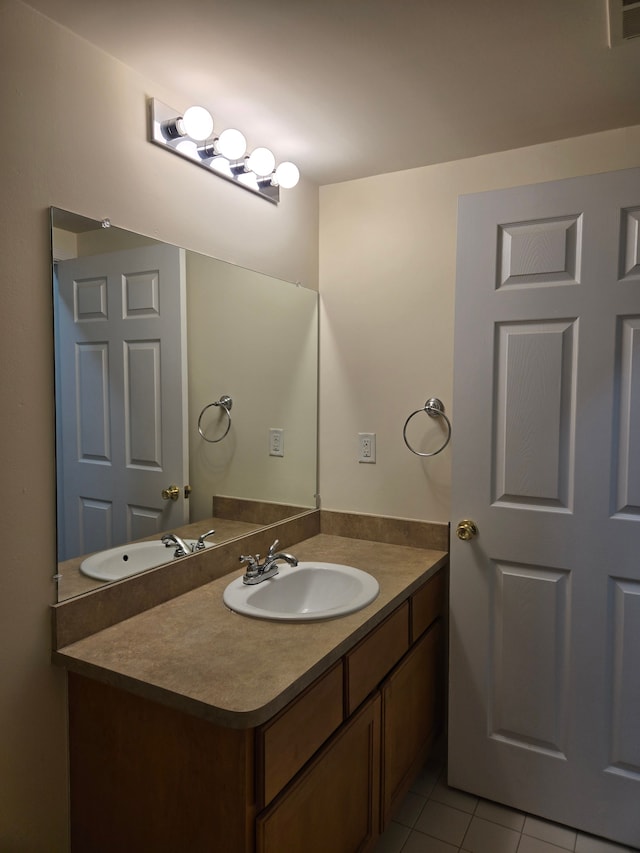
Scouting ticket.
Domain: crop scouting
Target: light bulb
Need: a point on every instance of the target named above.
(287, 175)
(221, 165)
(188, 147)
(231, 144)
(197, 123)
(249, 179)
(261, 161)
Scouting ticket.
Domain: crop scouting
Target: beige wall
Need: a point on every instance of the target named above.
(255, 338)
(74, 136)
(387, 280)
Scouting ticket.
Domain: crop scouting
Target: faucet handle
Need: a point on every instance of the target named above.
(272, 549)
(200, 546)
(252, 563)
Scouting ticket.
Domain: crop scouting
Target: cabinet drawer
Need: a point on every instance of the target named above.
(287, 741)
(427, 604)
(369, 662)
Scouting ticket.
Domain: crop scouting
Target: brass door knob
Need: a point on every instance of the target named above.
(466, 529)
(171, 494)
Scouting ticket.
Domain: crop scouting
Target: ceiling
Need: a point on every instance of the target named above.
(352, 88)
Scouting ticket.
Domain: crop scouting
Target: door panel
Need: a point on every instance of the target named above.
(95, 520)
(625, 682)
(529, 670)
(535, 378)
(630, 244)
(545, 621)
(544, 251)
(142, 399)
(92, 412)
(627, 409)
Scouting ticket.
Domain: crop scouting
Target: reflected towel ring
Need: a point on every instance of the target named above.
(225, 402)
(435, 409)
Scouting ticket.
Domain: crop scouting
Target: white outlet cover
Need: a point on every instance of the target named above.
(367, 447)
(276, 442)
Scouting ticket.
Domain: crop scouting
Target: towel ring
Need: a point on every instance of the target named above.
(225, 402)
(435, 409)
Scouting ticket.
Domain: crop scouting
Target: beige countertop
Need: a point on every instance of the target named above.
(193, 654)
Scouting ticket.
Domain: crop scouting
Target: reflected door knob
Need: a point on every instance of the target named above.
(171, 494)
(466, 529)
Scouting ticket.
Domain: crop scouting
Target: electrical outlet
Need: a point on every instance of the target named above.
(366, 447)
(276, 442)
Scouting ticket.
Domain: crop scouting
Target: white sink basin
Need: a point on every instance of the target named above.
(127, 560)
(303, 593)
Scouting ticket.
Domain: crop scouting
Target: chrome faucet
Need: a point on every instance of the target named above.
(257, 572)
(182, 549)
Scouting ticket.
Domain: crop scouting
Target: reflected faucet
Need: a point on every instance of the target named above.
(182, 549)
(256, 572)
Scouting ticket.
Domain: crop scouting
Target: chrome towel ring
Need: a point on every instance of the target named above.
(225, 402)
(435, 409)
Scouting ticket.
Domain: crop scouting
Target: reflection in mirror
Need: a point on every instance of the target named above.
(148, 337)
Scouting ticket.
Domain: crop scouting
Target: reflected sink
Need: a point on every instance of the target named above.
(127, 560)
(303, 593)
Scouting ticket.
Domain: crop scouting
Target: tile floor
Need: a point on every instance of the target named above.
(435, 818)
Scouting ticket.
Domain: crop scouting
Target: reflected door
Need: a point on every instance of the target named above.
(121, 401)
(545, 599)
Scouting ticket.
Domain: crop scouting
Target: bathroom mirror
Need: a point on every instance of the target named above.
(186, 394)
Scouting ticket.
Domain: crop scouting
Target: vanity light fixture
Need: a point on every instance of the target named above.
(191, 135)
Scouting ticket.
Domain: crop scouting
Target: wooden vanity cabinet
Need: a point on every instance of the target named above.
(326, 773)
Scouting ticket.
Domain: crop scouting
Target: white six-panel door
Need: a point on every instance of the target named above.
(122, 395)
(545, 600)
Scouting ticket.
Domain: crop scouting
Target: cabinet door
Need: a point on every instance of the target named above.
(411, 716)
(145, 777)
(334, 804)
